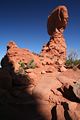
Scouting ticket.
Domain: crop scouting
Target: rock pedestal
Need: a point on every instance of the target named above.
(56, 49)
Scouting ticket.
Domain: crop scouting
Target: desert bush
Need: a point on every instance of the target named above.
(22, 64)
(72, 60)
(31, 64)
(77, 62)
(22, 68)
(21, 71)
(73, 55)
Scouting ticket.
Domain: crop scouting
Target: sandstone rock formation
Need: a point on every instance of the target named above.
(50, 92)
(56, 47)
(32, 88)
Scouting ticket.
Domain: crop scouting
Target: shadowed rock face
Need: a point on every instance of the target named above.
(56, 47)
(42, 93)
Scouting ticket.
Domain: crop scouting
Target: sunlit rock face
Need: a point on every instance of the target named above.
(56, 24)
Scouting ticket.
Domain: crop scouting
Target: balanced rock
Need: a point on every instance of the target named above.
(56, 47)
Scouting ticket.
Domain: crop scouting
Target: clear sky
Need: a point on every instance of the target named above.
(25, 22)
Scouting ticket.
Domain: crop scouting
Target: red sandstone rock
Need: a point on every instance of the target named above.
(43, 72)
(44, 88)
(56, 47)
(49, 90)
(50, 70)
(62, 69)
(11, 45)
(29, 70)
(57, 20)
(60, 112)
(76, 89)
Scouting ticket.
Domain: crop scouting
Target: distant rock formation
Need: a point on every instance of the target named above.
(56, 47)
(32, 88)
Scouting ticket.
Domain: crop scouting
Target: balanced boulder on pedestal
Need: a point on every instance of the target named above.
(56, 47)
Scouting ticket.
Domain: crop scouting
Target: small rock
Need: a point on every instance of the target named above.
(62, 69)
(29, 70)
(50, 70)
(43, 63)
(76, 89)
(43, 72)
(33, 78)
(60, 62)
(49, 63)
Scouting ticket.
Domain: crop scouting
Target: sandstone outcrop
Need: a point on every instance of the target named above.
(32, 87)
(55, 49)
(42, 87)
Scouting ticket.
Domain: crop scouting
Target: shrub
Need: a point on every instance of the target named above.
(72, 61)
(22, 68)
(22, 64)
(21, 71)
(21, 74)
(77, 62)
(69, 63)
(31, 64)
(73, 56)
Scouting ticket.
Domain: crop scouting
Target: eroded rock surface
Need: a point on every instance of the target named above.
(42, 87)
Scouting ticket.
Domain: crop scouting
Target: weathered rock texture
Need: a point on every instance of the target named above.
(56, 47)
(32, 88)
(43, 91)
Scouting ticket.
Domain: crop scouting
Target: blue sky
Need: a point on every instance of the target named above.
(25, 22)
